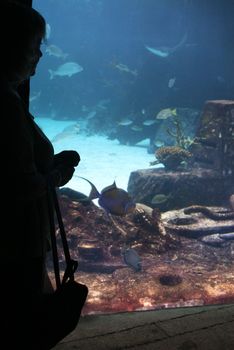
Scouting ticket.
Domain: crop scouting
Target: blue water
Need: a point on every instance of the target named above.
(100, 35)
(126, 60)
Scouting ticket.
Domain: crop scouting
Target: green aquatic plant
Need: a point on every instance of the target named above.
(178, 133)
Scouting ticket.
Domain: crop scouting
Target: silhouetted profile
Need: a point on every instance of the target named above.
(27, 162)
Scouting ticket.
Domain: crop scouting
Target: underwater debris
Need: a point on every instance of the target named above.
(170, 280)
(223, 215)
(90, 250)
(141, 217)
(171, 157)
(159, 238)
(198, 225)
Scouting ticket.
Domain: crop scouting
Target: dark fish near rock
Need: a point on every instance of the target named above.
(114, 200)
(218, 239)
(229, 236)
(74, 195)
(131, 258)
(214, 240)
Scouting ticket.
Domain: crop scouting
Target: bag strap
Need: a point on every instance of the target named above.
(71, 265)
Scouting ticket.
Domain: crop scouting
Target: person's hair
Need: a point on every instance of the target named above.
(19, 25)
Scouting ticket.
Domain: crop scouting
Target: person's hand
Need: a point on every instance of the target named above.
(70, 157)
(61, 175)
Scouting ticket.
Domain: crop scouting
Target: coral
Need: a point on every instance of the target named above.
(171, 157)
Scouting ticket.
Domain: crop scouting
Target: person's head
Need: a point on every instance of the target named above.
(22, 29)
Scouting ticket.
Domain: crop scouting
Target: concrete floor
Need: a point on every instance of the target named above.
(203, 328)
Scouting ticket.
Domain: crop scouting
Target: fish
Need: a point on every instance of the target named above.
(124, 68)
(48, 31)
(53, 50)
(227, 236)
(160, 198)
(91, 115)
(34, 96)
(166, 51)
(69, 131)
(171, 82)
(136, 128)
(67, 69)
(166, 113)
(112, 199)
(131, 258)
(149, 122)
(158, 143)
(74, 195)
(125, 122)
(213, 240)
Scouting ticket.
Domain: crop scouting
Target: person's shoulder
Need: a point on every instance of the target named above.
(8, 93)
(9, 101)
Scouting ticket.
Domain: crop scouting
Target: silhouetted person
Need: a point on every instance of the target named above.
(27, 164)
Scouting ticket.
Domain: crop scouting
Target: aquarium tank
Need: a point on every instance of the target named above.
(143, 90)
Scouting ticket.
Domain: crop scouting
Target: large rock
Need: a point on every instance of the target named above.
(214, 143)
(210, 178)
(181, 189)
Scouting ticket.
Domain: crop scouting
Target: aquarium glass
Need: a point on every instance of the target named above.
(143, 90)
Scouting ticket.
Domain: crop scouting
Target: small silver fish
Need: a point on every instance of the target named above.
(131, 258)
(159, 143)
(125, 122)
(171, 82)
(136, 128)
(114, 200)
(160, 198)
(124, 68)
(48, 31)
(149, 122)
